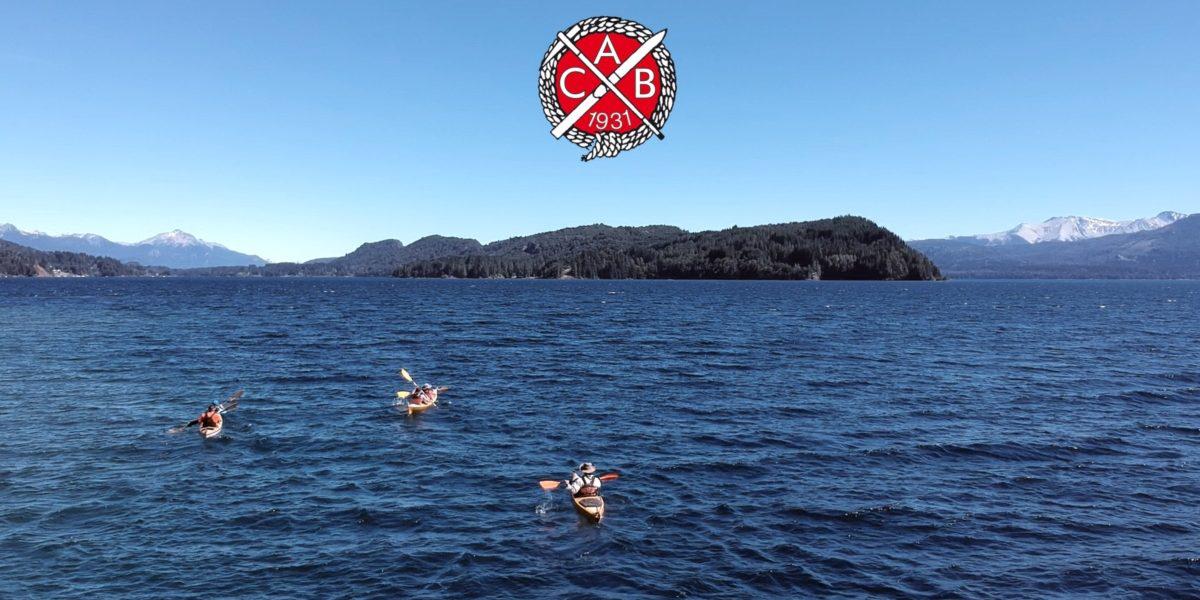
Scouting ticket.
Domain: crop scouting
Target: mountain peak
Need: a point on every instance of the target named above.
(1074, 228)
(176, 238)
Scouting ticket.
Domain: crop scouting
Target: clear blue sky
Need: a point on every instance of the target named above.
(299, 129)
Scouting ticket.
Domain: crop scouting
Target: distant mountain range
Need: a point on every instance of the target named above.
(1166, 246)
(1070, 229)
(839, 248)
(174, 249)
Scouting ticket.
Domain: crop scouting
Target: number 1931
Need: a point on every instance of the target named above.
(614, 121)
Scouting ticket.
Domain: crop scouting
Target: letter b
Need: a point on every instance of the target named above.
(645, 83)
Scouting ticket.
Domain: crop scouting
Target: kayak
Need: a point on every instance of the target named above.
(591, 507)
(416, 409)
(211, 432)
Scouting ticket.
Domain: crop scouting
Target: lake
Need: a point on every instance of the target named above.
(774, 439)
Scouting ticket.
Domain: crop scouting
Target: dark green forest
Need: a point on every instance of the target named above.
(839, 248)
(20, 261)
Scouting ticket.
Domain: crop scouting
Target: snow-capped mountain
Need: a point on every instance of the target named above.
(1140, 249)
(1070, 229)
(175, 249)
(179, 239)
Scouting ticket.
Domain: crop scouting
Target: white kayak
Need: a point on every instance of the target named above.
(211, 432)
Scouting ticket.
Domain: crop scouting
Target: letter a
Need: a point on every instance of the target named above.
(606, 49)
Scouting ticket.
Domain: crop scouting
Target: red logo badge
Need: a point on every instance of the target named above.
(607, 84)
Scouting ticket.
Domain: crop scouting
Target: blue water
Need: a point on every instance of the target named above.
(775, 439)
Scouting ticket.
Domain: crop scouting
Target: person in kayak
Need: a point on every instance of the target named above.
(426, 394)
(584, 482)
(210, 418)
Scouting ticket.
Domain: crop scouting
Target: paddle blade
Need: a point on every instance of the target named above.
(402, 394)
(406, 376)
(609, 476)
(549, 485)
(230, 403)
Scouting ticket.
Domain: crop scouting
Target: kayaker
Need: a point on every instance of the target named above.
(211, 417)
(426, 394)
(584, 482)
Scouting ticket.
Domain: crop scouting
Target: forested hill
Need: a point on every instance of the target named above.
(839, 248)
(378, 259)
(20, 261)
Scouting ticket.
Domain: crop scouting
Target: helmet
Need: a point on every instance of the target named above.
(587, 468)
(427, 386)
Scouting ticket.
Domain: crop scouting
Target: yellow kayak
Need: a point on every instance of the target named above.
(416, 409)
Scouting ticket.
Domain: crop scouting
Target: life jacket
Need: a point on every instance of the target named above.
(207, 420)
(590, 486)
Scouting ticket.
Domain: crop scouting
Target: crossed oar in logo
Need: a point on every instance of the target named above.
(607, 84)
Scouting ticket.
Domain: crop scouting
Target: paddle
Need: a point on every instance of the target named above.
(408, 378)
(231, 403)
(227, 406)
(550, 485)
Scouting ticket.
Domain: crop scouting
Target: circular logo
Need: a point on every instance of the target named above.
(607, 84)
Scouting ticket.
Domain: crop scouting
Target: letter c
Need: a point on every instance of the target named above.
(562, 83)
